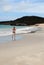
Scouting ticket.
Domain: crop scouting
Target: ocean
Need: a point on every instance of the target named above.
(7, 29)
(6, 32)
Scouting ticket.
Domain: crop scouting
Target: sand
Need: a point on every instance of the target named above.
(27, 51)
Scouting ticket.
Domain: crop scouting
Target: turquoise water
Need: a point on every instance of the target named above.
(6, 28)
(6, 32)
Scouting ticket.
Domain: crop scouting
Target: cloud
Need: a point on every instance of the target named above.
(10, 9)
(28, 7)
(5, 5)
(7, 8)
(23, 6)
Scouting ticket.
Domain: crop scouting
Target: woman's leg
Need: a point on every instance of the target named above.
(12, 36)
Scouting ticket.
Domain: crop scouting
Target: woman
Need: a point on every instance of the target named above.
(14, 31)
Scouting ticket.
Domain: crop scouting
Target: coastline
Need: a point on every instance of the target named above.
(6, 34)
(8, 38)
(26, 51)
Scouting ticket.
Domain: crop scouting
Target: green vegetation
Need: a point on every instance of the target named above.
(26, 20)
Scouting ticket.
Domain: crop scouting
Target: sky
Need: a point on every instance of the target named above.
(13, 9)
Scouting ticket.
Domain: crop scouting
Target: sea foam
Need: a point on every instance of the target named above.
(7, 32)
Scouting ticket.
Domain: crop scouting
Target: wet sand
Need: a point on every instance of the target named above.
(27, 51)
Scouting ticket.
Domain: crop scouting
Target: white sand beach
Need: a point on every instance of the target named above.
(27, 51)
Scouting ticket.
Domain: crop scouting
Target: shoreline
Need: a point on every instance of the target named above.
(26, 30)
(27, 51)
(9, 38)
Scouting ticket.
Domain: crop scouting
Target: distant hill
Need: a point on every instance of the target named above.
(25, 20)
